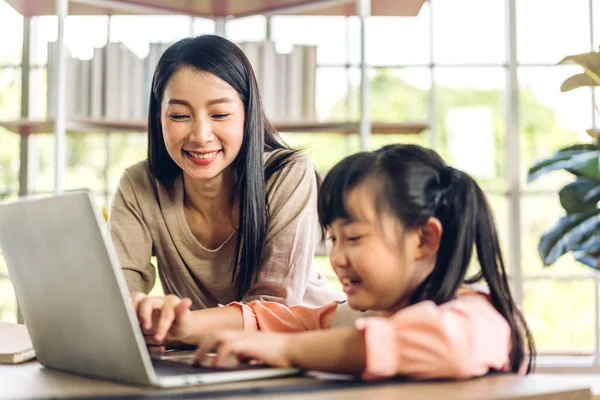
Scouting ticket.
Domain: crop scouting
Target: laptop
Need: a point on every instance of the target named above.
(75, 301)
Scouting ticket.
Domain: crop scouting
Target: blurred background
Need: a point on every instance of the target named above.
(448, 69)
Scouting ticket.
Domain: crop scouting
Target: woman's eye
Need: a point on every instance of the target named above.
(353, 239)
(220, 116)
(179, 117)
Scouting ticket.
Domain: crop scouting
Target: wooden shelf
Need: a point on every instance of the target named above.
(221, 8)
(28, 127)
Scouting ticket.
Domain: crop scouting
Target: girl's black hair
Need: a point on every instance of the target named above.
(414, 184)
(218, 56)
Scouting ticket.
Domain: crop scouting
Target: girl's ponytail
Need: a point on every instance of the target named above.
(467, 220)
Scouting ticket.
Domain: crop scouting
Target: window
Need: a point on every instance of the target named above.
(444, 66)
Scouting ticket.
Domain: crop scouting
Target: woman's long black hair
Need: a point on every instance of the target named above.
(218, 56)
(414, 184)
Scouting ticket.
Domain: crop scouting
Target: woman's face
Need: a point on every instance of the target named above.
(202, 121)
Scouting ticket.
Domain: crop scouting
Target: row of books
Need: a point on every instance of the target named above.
(115, 83)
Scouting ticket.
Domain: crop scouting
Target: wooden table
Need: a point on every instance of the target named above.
(31, 380)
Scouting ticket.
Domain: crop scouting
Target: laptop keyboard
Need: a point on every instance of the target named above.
(166, 367)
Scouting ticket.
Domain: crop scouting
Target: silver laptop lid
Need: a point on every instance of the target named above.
(71, 291)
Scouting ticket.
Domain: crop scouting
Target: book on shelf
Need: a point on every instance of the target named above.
(15, 344)
(115, 83)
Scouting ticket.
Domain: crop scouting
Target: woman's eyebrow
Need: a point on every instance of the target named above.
(179, 101)
(219, 100)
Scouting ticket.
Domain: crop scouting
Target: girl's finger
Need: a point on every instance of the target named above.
(225, 349)
(206, 345)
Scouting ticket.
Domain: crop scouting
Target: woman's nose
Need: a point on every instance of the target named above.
(202, 133)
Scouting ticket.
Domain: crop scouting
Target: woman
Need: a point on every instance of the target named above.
(227, 209)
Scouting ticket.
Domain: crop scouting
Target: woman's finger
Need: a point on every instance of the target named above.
(145, 310)
(167, 316)
(136, 298)
(182, 307)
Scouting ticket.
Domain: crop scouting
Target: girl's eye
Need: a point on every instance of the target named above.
(179, 117)
(331, 239)
(221, 116)
(353, 239)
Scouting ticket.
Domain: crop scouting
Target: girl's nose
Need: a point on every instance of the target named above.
(337, 257)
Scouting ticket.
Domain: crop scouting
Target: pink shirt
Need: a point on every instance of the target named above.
(462, 338)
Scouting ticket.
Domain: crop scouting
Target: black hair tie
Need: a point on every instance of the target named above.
(442, 191)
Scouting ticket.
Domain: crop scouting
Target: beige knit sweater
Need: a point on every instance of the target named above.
(148, 219)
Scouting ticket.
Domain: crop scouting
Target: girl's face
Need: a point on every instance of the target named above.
(202, 121)
(377, 260)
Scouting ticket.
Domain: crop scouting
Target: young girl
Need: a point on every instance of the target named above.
(403, 226)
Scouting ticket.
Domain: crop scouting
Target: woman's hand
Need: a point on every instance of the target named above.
(270, 348)
(163, 318)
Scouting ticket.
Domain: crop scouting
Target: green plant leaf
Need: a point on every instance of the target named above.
(591, 68)
(593, 194)
(577, 81)
(580, 196)
(589, 252)
(591, 245)
(568, 234)
(588, 260)
(582, 160)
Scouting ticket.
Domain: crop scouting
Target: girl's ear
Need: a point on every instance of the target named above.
(430, 234)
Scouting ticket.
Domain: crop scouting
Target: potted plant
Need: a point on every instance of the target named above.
(578, 231)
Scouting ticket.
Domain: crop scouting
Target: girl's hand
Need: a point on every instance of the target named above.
(270, 348)
(163, 318)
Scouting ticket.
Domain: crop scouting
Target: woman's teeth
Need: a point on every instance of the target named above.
(348, 281)
(203, 156)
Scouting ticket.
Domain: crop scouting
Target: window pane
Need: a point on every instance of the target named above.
(38, 108)
(11, 26)
(394, 40)
(44, 181)
(136, 32)
(324, 149)
(86, 156)
(203, 25)
(400, 95)
(538, 214)
(125, 150)
(470, 115)
(83, 33)
(560, 315)
(248, 29)
(331, 47)
(469, 31)
(596, 14)
(397, 94)
(9, 163)
(79, 46)
(335, 93)
(550, 120)
(10, 93)
(548, 30)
